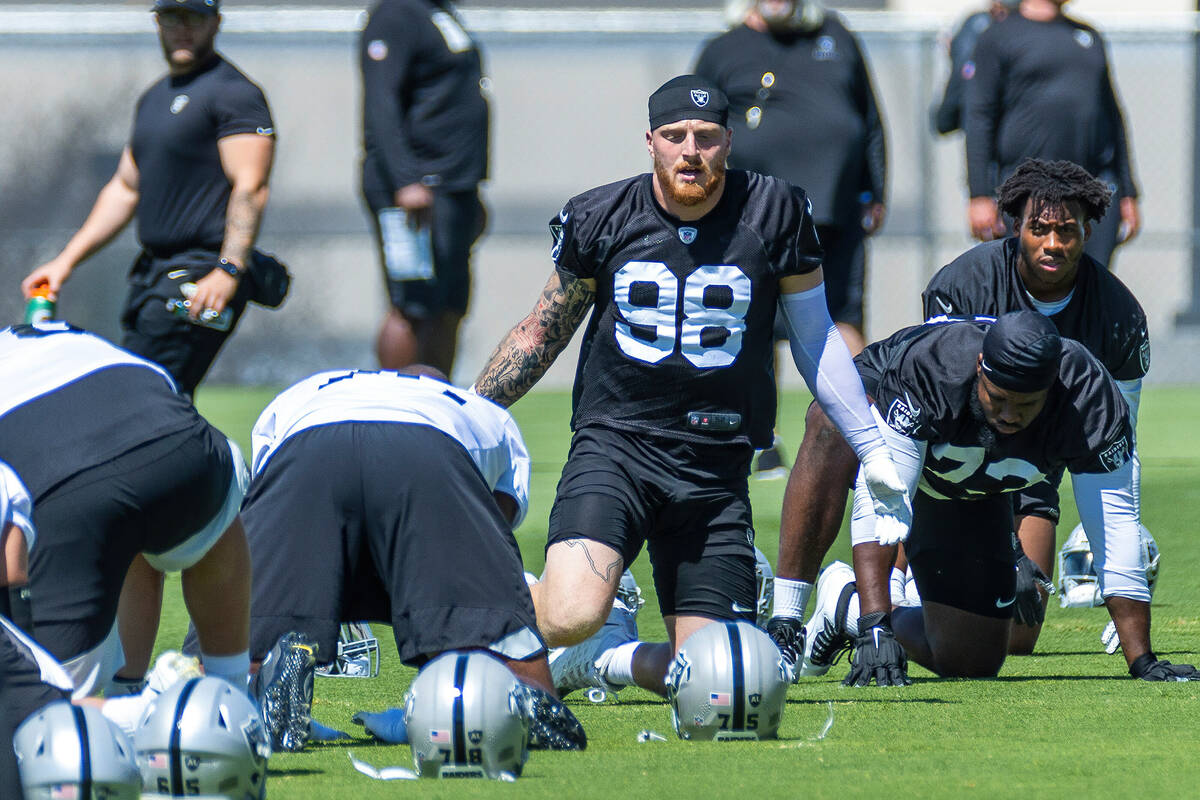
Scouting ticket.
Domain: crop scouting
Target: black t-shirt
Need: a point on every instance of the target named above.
(684, 310)
(425, 118)
(922, 379)
(818, 124)
(183, 191)
(947, 117)
(1043, 90)
(1102, 314)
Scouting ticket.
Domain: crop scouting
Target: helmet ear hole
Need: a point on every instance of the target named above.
(63, 746)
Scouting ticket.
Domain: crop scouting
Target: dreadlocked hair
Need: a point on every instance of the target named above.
(1051, 184)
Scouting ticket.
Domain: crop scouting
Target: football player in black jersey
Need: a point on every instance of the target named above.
(975, 410)
(684, 267)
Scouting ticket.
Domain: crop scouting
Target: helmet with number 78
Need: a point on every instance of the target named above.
(1077, 582)
(728, 681)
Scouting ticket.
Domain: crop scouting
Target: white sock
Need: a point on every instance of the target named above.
(235, 668)
(853, 610)
(791, 597)
(126, 711)
(619, 669)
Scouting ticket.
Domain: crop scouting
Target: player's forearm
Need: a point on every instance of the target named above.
(529, 349)
(113, 210)
(243, 216)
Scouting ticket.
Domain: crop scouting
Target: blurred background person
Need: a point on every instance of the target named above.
(947, 117)
(425, 131)
(802, 108)
(1041, 88)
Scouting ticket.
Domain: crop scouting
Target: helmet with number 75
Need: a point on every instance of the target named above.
(1077, 582)
(728, 681)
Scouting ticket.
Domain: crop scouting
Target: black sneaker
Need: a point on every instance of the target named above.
(788, 635)
(283, 688)
(769, 465)
(552, 726)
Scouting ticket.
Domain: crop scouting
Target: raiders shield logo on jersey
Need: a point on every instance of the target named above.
(902, 417)
(687, 235)
(1116, 455)
(1144, 355)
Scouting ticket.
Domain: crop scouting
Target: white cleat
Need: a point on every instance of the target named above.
(828, 632)
(582, 666)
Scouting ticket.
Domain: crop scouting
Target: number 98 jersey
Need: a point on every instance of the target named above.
(683, 310)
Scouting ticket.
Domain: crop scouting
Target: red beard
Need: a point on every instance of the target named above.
(690, 194)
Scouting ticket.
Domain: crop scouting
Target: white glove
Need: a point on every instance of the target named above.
(889, 495)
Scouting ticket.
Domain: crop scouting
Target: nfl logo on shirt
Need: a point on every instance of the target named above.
(687, 235)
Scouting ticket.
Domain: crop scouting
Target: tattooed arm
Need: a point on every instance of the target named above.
(524, 355)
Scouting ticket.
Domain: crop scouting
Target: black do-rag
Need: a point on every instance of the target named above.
(688, 97)
(1021, 352)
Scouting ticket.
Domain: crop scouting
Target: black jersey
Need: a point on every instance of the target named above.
(922, 379)
(183, 190)
(802, 108)
(1043, 90)
(72, 401)
(1102, 314)
(684, 310)
(425, 118)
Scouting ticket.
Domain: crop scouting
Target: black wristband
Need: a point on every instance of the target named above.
(876, 619)
(228, 266)
(1142, 663)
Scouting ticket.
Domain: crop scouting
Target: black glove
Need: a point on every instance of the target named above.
(1149, 668)
(877, 655)
(1028, 608)
(788, 635)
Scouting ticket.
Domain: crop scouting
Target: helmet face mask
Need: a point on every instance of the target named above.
(466, 719)
(357, 653)
(764, 580)
(727, 682)
(203, 737)
(1078, 583)
(51, 760)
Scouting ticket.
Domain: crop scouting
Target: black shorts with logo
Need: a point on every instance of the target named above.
(963, 553)
(384, 522)
(689, 503)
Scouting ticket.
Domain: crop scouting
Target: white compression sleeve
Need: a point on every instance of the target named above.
(824, 361)
(1109, 514)
(909, 457)
(1132, 392)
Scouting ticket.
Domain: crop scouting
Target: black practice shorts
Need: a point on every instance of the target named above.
(384, 522)
(844, 270)
(458, 222)
(184, 349)
(1039, 500)
(151, 499)
(688, 502)
(22, 692)
(963, 553)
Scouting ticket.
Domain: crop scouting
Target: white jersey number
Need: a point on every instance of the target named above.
(961, 467)
(714, 300)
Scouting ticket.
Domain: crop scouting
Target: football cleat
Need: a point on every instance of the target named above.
(829, 634)
(769, 465)
(170, 668)
(552, 726)
(283, 687)
(582, 666)
(629, 593)
(357, 653)
(788, 635)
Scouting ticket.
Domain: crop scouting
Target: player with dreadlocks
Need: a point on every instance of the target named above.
(1041, 267)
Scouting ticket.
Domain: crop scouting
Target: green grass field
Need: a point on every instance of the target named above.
(1065, 720)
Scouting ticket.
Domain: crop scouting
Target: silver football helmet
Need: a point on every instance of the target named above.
(728, 681)
(466, 718)
(50, 747)
(203, 736)
(1077, 582)
(357, 653)
(764, 580)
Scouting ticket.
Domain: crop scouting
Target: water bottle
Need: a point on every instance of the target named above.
(207, 319)
(40, 307)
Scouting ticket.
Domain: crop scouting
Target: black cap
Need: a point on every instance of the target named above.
(1021, 352)
(688, 97)
(199, 6)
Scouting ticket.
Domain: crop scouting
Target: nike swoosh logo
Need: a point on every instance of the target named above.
(739, 610)
(1005, 603)
(949, 309)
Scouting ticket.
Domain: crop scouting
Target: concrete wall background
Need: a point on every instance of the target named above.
(568, 113)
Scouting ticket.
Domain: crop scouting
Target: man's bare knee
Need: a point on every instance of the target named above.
(576, 592)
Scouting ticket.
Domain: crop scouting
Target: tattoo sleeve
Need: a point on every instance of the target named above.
(242, 217)
(524, 355)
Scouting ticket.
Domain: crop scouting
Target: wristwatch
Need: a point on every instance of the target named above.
(233, 269)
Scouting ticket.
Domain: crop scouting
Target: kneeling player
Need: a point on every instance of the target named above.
(973, 411)
(387, 497)
(123, 473)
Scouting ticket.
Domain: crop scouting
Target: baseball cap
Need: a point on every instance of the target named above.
(1021, 352)
(688, 97)
(199, 6)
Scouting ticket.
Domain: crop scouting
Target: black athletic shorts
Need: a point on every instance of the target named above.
(844, 269)
(384, 522)
(184, 349)
(688, 503)
(458, 222)
(1039, 500)
(963, 553)
(150, 499)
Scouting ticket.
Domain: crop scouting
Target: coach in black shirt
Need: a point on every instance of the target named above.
(425, 131)
(1041, 89)
(194, 176)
